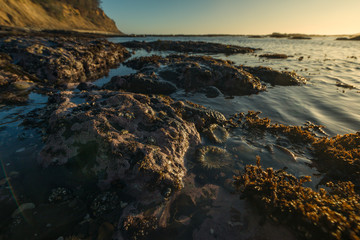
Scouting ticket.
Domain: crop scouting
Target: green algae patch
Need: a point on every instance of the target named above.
(332, 214)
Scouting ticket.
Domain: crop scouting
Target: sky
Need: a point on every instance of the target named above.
(234, 16)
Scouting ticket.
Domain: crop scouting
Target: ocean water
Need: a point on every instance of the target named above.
(325, 62)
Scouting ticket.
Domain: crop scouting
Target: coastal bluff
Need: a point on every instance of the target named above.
(75, 15)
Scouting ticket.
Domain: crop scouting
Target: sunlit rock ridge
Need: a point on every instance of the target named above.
(56, 15)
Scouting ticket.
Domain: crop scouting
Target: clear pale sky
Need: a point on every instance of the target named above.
(234, 16)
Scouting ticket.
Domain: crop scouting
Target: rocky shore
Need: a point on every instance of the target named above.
(203, 74)
(55, 62)
(188, 47)
(356, 38)
(127, 160)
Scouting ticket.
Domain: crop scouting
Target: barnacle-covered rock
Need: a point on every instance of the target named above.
(211, 91)
(188, 47)
(135, 138)
(196, 73)
(141, 83)
(275, 77)
(141, 62)
(60, 194)
(274, 56)
(139, 227)
(15, 84)
(104, 203)
(64, 59)
(201, 116)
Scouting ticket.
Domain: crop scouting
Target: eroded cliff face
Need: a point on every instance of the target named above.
(28, 14)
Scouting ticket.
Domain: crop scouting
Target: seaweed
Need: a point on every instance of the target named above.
(338, 157)
(332, 214)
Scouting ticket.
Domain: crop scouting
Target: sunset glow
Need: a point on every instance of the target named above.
(235, 17)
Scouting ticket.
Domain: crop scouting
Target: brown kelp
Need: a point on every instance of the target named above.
(338, 157)
(332, 214)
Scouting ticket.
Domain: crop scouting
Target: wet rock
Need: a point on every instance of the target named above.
(108, 139)
(345, 85)
(195, 73)
(274, 77)
(274, 56)
(227, 78)
(211, 91)
(142, 62)
(87, 86)
(342, 38)
(188, 47)
(14, 85)
(21, 85)
(29, 63)
(139, 227)
(279, 35)
(255, 36)
(356, 38)
(201, 116)
(289, 36)
(216, 134)
(141, 83)
(300, 38)
(104, 203)
(13, 98)
(57, 60)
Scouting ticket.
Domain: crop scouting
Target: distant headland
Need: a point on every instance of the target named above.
(67, 15)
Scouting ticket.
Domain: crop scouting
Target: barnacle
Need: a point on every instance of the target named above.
(138, 227)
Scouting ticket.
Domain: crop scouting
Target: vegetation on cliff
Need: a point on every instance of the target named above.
(84, 6)
(55, 14)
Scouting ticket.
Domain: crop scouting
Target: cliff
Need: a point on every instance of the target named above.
(50, 14)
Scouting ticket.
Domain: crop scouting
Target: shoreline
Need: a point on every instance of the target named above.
(9, 30)
(157, 165)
